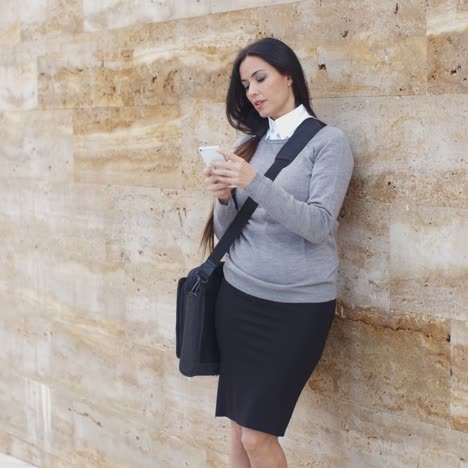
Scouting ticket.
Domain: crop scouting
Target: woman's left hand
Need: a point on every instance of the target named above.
(235, 172)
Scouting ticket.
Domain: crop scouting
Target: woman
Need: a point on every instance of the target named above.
(277, 301)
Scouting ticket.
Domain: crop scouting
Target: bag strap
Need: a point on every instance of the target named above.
(301, 136)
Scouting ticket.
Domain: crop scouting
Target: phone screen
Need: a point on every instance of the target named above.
(209, 153)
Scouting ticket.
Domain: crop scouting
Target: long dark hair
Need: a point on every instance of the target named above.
(242, 115)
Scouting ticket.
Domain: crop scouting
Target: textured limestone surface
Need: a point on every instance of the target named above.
(102, 207)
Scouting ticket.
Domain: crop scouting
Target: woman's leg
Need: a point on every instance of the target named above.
(237, 455)
(263, 450)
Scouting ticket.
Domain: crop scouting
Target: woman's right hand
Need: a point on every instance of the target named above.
(216, 188)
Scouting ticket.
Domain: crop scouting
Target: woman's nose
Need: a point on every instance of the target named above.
(252, 91)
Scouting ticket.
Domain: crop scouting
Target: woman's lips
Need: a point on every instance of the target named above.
(259, 104)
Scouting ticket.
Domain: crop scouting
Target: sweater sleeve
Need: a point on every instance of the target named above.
(331, 174)
(223, 215)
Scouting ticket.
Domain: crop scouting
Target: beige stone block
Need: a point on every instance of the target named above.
(99, 436)
(25, 334)
(111, 437)
(20, 449)
(57, 461)
(79, 49)
(165, 34)
(113, 14)
(369, 68)
(18, 80)
(433, 459)
(37, 402)
(10, 330)
(99, 367)
(227, 6)
(398, 363)
(6, 270)
(150, 319)
(445, 15)
(13, 416)
(406, 149)
(26, 413)
(189, 410)
(459, 376)
(87, 79)
(350, 20)
(53, 18)
(43, 292)
(22, 199)
(447, 64)
(197, 427)
(327, 431)
(37, 145)
(183, 393)
(363, 249)
(10, 23)
(64, 283)
(128, 146)
(380, 49)
(226, 30)
(61, 449)
(81, 423)
(192, 71)
(215, 459)
(30, 326)
(447, 30)
(99, 17)
(428, 271)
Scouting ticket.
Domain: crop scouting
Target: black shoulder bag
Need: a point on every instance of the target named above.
(196, 343)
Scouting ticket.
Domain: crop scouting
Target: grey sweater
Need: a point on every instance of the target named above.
(287, 251)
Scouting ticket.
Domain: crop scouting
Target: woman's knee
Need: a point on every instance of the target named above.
(253, 440)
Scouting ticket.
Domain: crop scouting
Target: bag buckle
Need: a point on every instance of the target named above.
(202, 276)
(196, 286)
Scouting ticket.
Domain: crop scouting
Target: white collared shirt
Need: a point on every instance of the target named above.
(284, 126)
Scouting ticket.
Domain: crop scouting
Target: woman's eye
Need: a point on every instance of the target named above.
(259, 80)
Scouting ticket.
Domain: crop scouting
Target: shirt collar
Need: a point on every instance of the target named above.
(284, 126)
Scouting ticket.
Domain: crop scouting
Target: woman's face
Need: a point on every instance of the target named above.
(266, 88)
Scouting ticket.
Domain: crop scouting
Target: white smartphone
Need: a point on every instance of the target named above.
(209, 153)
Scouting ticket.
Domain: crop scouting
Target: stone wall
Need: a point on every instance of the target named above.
(102, 106)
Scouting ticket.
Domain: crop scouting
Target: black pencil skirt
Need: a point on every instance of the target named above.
(268, 350)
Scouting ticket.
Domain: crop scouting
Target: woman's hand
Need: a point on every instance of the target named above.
(235, 172)
(216, 188)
